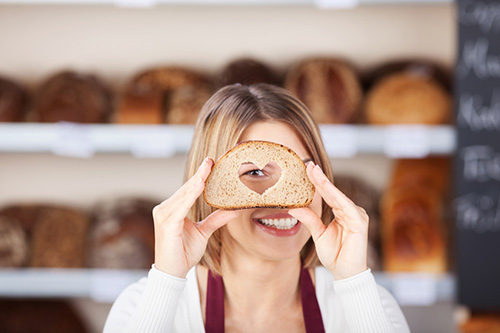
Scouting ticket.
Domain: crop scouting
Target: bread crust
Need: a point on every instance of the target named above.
(281, 205)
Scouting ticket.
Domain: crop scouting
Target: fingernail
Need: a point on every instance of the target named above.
(310, 163)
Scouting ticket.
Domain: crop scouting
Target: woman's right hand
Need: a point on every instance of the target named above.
(179, 242)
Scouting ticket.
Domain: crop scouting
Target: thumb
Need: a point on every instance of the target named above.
(310, 219)
(215, 220)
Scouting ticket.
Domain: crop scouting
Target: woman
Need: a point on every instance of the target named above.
(240, 270)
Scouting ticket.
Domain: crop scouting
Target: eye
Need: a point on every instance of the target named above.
(256, 172)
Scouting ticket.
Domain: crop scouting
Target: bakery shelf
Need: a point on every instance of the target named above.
(167, 140)
(99, 284)
(105, 285)
(150, 3)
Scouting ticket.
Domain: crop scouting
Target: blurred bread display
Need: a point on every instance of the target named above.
(246, 71)
(329, 87)
(13, 101)
(414, 217)
(172, 95)
(74, 97)
(122, 234)
(40, 316)
(13, 244)
(408, 92)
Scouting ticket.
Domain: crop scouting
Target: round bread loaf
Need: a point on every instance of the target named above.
(225, 190)
(419, 67)
(408, 98)
(246, 71)
(330, 88)
(59, 238)
(13, 244)
(171, 94)
(74, 97)
(13, 101)
(122, 234)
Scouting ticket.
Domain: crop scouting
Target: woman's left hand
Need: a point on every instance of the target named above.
(342, 245)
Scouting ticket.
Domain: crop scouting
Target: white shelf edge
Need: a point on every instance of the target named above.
(339, 140)
(105, 285)
(151, 3)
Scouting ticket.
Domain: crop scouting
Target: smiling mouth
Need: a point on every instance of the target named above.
(282, 224)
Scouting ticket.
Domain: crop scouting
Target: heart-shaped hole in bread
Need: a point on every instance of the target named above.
(259, 180)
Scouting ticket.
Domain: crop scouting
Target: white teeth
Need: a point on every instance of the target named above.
(283, 224)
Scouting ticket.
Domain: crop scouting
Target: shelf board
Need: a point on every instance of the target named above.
(105, 285)
(77, 140)
(151, 3)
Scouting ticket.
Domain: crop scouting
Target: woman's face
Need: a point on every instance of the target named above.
(270, 234)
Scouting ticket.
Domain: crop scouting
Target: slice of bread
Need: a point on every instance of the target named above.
(225, 190)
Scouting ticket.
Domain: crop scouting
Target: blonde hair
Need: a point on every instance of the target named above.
(221, 123)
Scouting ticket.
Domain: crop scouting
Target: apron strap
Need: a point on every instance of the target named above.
(214, 314)
(310, 305)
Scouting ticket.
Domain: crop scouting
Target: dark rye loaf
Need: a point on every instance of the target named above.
(225, 190)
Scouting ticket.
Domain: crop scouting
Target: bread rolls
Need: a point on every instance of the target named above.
(224, 188)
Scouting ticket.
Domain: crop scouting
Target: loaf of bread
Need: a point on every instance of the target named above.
(246, 71)
(13, 244)
(329, 87)
(13, 101)
(413, 235)
(225, 189)
(408, 98)
(420, 67)
(40, 316)
(367, 197)
(24, 214)
(122, 234)
(59, 238)
(171, 94)
(431, 172)
(74, 97)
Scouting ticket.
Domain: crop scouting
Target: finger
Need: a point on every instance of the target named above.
(184, 198)
(331, 194)
(310, 219)
(215, 221)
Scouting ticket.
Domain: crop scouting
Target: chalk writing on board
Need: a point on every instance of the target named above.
(478, 212)
(481, 163)
(477, 114)
(476, 57)
(484, 15)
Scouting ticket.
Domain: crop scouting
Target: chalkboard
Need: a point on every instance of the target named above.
(477, 162)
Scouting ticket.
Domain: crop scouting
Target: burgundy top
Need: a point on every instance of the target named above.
(215, 304)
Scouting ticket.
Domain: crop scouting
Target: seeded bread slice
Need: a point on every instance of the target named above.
(225, 190)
